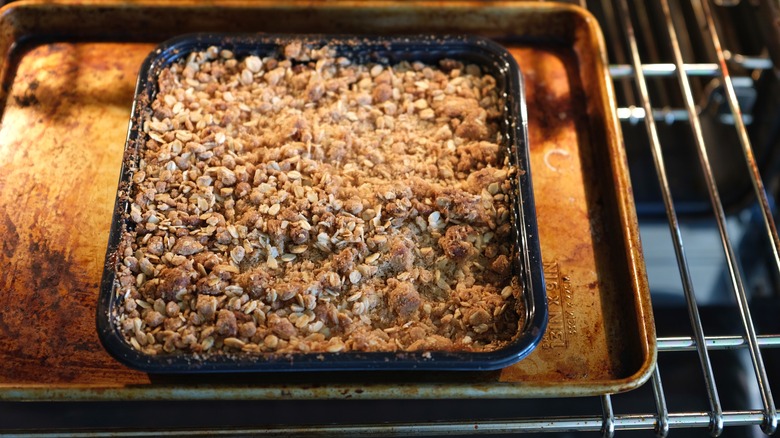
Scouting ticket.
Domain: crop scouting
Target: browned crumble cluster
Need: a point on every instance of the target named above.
(302, 203)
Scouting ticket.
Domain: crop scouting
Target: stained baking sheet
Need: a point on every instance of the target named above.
(68, 79)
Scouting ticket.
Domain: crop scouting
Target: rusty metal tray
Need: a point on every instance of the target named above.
(68, 75)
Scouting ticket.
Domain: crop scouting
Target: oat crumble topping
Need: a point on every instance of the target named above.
(303, 203)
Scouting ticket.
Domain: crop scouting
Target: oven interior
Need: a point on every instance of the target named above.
(685, 394)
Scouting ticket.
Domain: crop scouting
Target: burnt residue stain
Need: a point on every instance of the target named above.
(549, 109)
(28, 97)
(47, 328)
(49, 267)
(10, 235)
(60, 76)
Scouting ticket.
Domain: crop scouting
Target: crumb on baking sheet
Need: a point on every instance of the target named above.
(303, 203)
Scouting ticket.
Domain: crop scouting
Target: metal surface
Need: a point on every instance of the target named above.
(770, 413)
(68, 97)
(618, 423)
(662, 412)
(659, 411)
(618, 71)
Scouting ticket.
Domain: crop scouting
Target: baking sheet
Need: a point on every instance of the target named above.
(68, 86)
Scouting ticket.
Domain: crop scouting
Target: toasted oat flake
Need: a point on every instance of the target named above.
(303, 203)
(299, 249)
(373, 257)
(355, 277)
(234, 342)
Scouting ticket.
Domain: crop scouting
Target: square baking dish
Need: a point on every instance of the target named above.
(527, 265)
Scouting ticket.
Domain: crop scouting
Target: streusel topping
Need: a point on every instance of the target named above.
(304, 203)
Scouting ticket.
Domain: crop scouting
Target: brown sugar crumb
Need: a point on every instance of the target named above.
(403, 298)
(303, 203)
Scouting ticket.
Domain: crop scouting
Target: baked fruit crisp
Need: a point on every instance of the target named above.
(305, 203)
